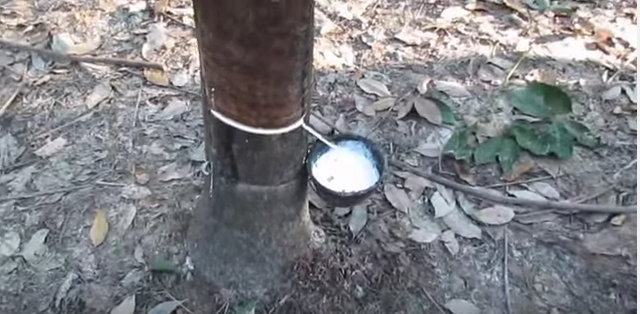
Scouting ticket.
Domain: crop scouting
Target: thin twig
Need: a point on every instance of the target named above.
(483, 194)
(514, 68)
(43, 193)
(592, 196)
(66, 125)
(625, 168)
(11, 98)
(503, 184)
(180, 303)
(428, 295)
(60, 56)
(507, 293)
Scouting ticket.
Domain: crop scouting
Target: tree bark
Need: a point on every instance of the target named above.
(252, 219)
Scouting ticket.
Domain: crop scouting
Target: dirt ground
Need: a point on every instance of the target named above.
(80, 140)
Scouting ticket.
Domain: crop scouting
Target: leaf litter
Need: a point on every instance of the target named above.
(358, 219)
(10, 150)
(544, 189)
(99, 228)
(450, 242)
(100, 92)
(495, 215)
(462, 225)
(166, 307)
(459, 306)
(51, 148)
(440, 205)
(397, 197)
(127, 306)
(9, 244)
(452, 89)
(423, 228)
(371, 86)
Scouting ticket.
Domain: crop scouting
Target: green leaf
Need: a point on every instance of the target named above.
(246, 308)
(581, 133)
(162, 266)
(540, 100)
(442, 101)
(458, 145)
(487, 151)
(508, 155)
(532, 137)
(445, 110)
(539, 5)
(561, 140)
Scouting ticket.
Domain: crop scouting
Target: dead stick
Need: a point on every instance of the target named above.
(43, 193)
(482, 193)
(428, 295)
(61, 56)
(507, 293)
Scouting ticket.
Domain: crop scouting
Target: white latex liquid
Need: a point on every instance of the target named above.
(348, 168)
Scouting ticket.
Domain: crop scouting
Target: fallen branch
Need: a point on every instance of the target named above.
(485, 195)
(507, 293)
(43, 193)
(61, 56)
(11, 98)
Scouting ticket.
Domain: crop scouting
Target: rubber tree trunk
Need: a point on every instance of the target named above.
(252, 218)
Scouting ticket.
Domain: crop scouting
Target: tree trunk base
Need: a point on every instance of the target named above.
(244, 237)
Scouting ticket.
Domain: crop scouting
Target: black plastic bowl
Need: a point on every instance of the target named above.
(344, 199)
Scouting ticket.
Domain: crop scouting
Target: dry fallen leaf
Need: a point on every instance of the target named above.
(462, 225)
(544, 189)
(397, 197)
(449, 240)
(9, 244)
(358, 219)
(431, 150)
(459, 306)
(428, 109)
(172, 172)
(99, 229)
(424, 229)
(527, 195)
(521, 167)
(464, 172)
(155, 76)
(165, 307)
(440, 205)
(135, 192)
(176, 107)
(127, 306)
(611, 93)
(100, 92)
(452, 89)
(51, 148)
(423, 86)
(10, 150)
(371, 86)
(35, 246)
(364, 105)
(495, 215)
(403, 109)
(383, 103)
(416, 185)
(127, 213)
